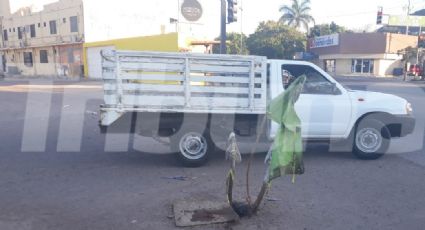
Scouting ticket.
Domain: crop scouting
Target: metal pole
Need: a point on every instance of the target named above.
(223, 35)
(3, 42)
(408, 13)
(419, 39)
(178, 17)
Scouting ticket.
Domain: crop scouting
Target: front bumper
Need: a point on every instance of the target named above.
(402, 125)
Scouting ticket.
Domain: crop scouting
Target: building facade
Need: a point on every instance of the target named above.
(93, 57)
(44, 43)
(375, 54)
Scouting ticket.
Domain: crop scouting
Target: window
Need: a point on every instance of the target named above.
(44, 24)
(362, 66)
(20, 32)
(28, 59)
(14, 30)
(39, 25)
(10, 30)
(32, 30)
(74, 24)
(71, 55)
(330, 65)
(44, 56)
(5, 37)
(53, 29)
(64, 20)
(316, 83)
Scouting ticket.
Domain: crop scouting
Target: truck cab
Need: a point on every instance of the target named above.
(329, 111)
(324, 105)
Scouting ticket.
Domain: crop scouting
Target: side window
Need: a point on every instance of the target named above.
(28, 59)
(74, 24)
(44, 57)
(53, 29)
(316, 83)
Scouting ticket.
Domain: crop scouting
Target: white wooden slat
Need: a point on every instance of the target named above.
(187, 85)
(220, 63)
(252, 86)
(220, 79)
(110, 99)
(180, 88)
(222, 102)
(162, 109)
(190, 55)
(134, 100)
(110, 65)
(147, 77)
(118, 80)
(152, 60)
(196, 102)
(225, 90)
(165, 77)
(152, 67)
(228, 79)
(145, 87)
(215, 69)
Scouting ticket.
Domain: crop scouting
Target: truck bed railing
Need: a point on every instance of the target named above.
(182, 82)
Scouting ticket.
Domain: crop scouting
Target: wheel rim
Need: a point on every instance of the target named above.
(193, 146)
(369, 140)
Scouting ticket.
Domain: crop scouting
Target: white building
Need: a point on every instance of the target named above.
(44, 43)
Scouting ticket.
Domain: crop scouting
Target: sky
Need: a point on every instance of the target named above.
(126, 18)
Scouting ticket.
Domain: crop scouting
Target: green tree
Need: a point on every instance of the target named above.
(236, 44)
(297, 14)
(276, 40)
(326, 29)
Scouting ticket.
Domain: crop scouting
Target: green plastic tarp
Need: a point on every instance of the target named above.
(287, 151)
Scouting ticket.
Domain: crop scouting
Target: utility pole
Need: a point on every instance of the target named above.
(1, 32)
(408, 13)
(419, 41)
(223, 36)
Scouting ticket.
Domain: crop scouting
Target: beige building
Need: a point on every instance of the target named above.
(356, 54)
(44, 43)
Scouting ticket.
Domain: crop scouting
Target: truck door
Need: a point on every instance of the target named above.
(324, 106)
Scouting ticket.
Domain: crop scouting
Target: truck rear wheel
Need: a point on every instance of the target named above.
(193, 146)
(371, 140)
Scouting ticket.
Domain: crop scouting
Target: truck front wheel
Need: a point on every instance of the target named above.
(192, 145)
(372, 139)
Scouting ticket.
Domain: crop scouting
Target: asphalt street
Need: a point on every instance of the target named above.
(58, 172)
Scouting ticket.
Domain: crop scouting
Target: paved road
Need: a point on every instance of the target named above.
(63, 187)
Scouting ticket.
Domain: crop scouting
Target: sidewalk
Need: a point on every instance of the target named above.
(375, 78)
(20, 78)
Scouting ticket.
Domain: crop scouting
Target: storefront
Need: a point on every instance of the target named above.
(374, 54)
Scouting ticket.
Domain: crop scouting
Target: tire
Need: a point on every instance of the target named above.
(192, 145)
(371, 140)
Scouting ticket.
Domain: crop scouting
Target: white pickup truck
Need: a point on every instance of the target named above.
(196, 100)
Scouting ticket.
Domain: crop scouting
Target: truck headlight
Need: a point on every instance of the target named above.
(409, 108)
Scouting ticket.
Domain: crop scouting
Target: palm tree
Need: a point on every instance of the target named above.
(297, 15)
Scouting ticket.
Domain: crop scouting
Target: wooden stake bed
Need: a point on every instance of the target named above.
(183, 83)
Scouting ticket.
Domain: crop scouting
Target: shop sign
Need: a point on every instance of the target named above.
(325, 41)
(191, 10)
(404, 20)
